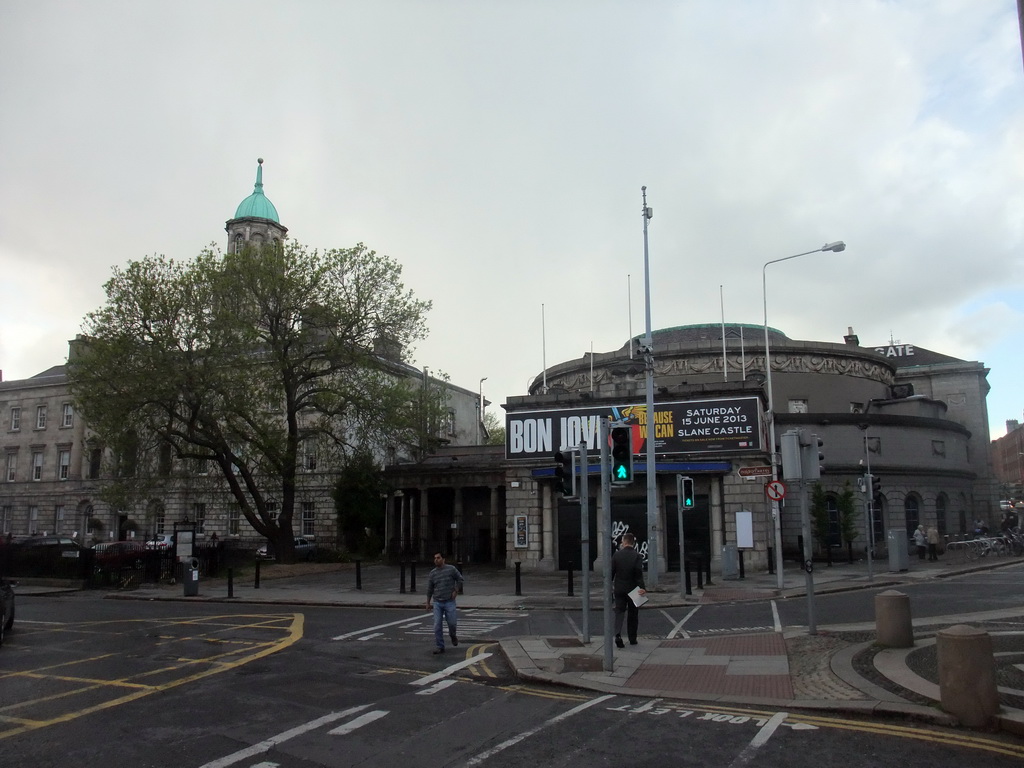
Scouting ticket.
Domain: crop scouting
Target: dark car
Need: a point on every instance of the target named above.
(6, 608)
(116, 555)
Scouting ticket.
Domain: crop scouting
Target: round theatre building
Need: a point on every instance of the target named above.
(916, 417)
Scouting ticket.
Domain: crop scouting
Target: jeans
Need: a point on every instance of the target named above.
(443, 609)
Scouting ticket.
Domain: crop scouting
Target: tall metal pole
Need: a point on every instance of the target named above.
(605, 530)
(868, 507)
(584, 489)
(652, 477)
(836, 247)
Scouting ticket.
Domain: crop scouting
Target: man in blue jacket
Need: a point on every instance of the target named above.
(443, 586)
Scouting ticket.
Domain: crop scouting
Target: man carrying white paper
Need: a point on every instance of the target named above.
(627, 576)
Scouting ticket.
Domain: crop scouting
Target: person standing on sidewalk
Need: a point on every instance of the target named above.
(443, 586)
(933, 544)
(921, 540)
(627, 575)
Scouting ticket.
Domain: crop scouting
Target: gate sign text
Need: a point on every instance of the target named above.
(694, 426)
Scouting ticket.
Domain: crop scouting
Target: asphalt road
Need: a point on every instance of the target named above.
(96, 682)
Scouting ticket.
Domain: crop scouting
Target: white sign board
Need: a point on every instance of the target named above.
(745, 529)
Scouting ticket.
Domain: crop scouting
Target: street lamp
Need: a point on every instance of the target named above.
(480, 408)
(835, 247)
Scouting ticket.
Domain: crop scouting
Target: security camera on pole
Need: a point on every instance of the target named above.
(801, 461)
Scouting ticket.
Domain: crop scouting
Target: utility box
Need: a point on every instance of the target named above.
(190, 576)
(899, 554)
(730, 562)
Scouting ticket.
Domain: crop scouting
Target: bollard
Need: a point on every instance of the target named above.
(707, 571)
(359, 574)
(569, 572)
(892, 620)
(700, 574)
(742, 574)
(771, 561)
(519, 579)
(412, 576)
(686, 571)
(231, 583)
(257, 584)
(401, 577)
(967, 675)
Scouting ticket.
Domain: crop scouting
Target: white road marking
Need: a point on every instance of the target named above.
(273, 741)
(775, 617)
(436, 688)
(448, 670)
(370, 636)
(379, 626)
(358, 722)
(678, 628)
(266, 765)
(477, 759)
(759, 740)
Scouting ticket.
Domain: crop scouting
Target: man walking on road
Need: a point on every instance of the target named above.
(443, 585)
(627, 575)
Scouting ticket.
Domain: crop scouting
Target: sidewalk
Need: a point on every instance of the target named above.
(838, 669)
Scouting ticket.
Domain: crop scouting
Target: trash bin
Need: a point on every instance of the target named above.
(190, 576)
(730, 562)
(899, 554)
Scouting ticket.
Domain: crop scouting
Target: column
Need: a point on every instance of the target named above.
(547, 550)
(424, 524)
(497, 525)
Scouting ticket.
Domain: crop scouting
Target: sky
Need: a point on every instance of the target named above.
(497, 150)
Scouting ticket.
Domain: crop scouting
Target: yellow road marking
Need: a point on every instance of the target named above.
(291, 624)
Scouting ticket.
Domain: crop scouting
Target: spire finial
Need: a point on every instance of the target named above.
(259, 177)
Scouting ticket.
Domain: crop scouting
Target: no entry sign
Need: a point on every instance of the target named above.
(775, 490)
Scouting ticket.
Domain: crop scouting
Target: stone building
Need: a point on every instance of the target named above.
(55, 468)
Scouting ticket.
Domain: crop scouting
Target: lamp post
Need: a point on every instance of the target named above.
(480, 409)
(835, 247)
(652, 476)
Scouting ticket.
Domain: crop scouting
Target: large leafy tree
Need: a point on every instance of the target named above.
(252, 361)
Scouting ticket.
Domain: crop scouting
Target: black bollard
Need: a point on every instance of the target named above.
(401, 577)
(519, 579)
(569, 572)
(257, 584)
(686, 571)
(412, 575)
(742, 574)
(771, 561)
(359, 574)
(707, 572)
(231, 583)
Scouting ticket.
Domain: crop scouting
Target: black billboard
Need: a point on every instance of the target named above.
(691, 426)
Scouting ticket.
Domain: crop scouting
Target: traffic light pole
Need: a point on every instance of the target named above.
(605, 529)
(583, 484)
(652, 476)
(680, 495)
(868, 491)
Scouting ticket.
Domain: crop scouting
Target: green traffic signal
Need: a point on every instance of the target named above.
(688, 498)
(622, 455)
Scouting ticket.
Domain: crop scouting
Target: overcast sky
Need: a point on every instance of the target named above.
(497, 150)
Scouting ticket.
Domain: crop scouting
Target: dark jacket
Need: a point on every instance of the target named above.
(627, 570)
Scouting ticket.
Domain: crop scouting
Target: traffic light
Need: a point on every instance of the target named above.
(792, 468)
(811, 455)
(876, 488)
(688, 498)
(622, 455)
(565, 473)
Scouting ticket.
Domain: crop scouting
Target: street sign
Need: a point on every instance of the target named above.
(775, 490)
(755, 471)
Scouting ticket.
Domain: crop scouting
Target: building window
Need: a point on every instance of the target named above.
(5, 518)
(95, 460)
(67, 415)
(450, 422)
(201, 466)
(199, 515)
(33, 519)
(234, 519)
(309, 455)
(160, 519)
(940, 514)
(273, 510)
(912, 509)
(164, 460)
(15, 418)
(12, 466)
(798, 406)
(40, 417)
(58, 519)
(63, 464)
(308, 518)
(37, 465)
(835, 536)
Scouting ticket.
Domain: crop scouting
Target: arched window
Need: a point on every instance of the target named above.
(940, 514)
(835, 535)
(912, 513)
(239, 243)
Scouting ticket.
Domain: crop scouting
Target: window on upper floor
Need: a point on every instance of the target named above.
(12, 466)
(63, 464)
(15, 418)
(308, 518)
(199, 515)
(37, 465)
(40, 417)
(234, 519)
(67, 415)
(95, 462)
(309, 454)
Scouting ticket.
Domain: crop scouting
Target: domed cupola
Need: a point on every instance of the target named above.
(255, 222)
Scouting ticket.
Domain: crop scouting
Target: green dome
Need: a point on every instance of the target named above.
(256, 205)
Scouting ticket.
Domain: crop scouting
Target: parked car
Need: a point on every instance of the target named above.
(304, 549)
(161, 541)
(6, 608)
(115, 555)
